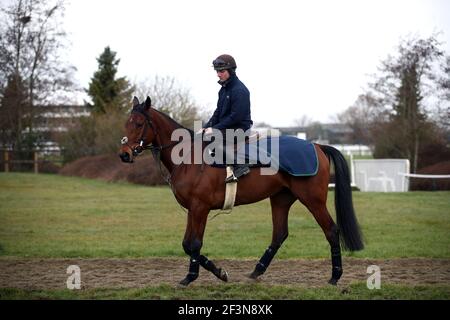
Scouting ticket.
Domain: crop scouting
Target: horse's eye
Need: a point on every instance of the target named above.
(139, 125)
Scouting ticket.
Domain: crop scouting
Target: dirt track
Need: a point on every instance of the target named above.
(135, 273)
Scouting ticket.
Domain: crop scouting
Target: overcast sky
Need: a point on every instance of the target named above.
(297, 58)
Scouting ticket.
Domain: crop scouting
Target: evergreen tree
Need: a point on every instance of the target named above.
(101, 132)
(105, 90)
(409, 116)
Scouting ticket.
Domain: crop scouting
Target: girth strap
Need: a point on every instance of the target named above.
(230, 192)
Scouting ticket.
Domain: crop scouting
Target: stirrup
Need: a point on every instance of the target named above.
(231, 178)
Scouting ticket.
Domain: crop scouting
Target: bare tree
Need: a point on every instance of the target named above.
(31, 40)
(362, 117)
(170, 98)
(303, 121)
(443, 111)
(403, 85)
(395, 114)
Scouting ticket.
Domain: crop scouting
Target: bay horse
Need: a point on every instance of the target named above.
(200, 188)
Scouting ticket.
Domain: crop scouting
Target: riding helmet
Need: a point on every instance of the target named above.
(224, 62)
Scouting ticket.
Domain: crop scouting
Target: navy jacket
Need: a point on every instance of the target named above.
(233, 107)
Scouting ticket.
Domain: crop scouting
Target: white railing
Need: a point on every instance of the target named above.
(407, 176)
(425, 176)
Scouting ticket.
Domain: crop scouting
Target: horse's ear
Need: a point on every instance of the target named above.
(148, 103)
(135, 101)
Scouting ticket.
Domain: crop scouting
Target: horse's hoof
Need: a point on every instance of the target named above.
(191, 276)
(223, 275)
(185, 282)
(254, 275)
(333, 281)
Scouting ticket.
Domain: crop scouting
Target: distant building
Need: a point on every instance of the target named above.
(354, 149)
(291, 131)
(53, 121)
(335, 134)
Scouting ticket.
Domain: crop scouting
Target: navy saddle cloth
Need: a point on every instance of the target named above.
(292, 155)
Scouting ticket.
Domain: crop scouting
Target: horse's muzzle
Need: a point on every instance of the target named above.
(125, 157)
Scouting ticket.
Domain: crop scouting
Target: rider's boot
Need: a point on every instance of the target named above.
(239, 170)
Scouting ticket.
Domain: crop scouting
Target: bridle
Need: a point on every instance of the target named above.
(155, 149)
(142, 146)
(147, 125)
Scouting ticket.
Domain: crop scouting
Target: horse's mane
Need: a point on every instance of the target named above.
(191, 132)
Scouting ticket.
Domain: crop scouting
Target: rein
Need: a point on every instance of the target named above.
(156, 153)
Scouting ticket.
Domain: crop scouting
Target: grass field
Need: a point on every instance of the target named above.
(54, 216)
(50, 216)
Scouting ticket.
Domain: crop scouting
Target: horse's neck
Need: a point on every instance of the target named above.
(164, 131)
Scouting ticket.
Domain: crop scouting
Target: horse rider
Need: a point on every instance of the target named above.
(233, 108)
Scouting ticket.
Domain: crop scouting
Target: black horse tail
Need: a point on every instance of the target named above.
(345, 213)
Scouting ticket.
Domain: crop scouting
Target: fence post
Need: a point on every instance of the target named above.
(6, 157)
(36, 166)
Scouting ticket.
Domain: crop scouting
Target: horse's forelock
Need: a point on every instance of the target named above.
(140, 108)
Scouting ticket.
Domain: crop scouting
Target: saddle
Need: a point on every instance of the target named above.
(294, 156)
(231, 187)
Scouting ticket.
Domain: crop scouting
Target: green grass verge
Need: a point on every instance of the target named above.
(54, 216)
(356, 291)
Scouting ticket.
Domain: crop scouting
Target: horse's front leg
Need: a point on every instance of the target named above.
(280, 203)
(210, 266)
(205, 263)
(192, 244)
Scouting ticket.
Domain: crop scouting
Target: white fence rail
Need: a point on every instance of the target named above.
(425, 176)
(384, 175)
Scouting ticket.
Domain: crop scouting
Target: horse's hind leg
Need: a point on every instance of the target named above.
(280, 203)
(317, 206)
(331, 232)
